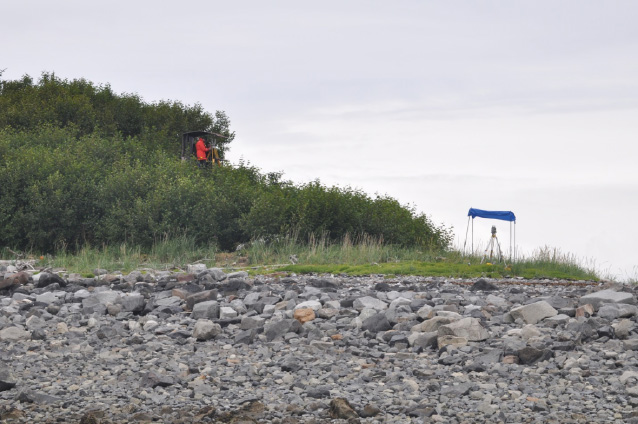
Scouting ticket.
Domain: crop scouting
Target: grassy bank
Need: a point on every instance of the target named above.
(362, 256)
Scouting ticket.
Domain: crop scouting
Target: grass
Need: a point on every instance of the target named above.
(362, 256)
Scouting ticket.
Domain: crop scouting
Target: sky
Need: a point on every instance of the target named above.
(526, 106)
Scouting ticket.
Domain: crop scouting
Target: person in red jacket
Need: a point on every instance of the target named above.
(201, 148)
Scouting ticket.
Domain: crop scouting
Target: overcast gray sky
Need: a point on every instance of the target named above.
(527, 106)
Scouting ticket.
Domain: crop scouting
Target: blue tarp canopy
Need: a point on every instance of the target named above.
(502, 215)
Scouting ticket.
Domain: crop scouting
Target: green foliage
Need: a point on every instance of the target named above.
(81, 166)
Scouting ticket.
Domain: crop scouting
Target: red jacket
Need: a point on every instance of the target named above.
(201, 149)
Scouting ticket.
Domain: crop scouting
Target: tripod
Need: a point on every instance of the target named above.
(492, 245)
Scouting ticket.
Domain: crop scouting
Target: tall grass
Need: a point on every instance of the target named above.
(354, 255)
(318, 249)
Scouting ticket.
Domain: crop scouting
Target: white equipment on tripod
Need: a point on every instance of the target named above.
(492, 246)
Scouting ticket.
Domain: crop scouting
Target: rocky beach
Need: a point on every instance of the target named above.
(202, 345)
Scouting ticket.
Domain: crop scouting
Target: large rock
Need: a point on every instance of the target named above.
(279, 328)
(375, 323)
(7, 379)
(607, 296)
(133, 302)
(202, 296)
(433, 324)
(206, 310)
(206, 329)
(468, 328)
(369, 302)
(534, 312)
(46, 279)
(13, 334)
(315, 305)
(611, 311)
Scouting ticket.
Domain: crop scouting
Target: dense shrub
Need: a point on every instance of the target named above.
(80, 165)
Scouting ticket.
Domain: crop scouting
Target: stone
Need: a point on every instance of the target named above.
(425, 312)
(14, 334)
(534, 312)
(483, 285)
(195, 268)
(496, 300)
(312, 304)
(611, 311)
(376, 323)
(277, 329)
(133, 302)
(530, 355)
(46, 279)
(217, 274)
(206, 329)
(623, 328)
(205, 310)
(202, 296)
(226, 312)
(432, 324)
(304, 315)
(7, 379)
(468, 328)
(368, 302)
(249, 323)
(607, 296)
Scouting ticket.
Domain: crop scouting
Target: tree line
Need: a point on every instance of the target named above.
(82, 165)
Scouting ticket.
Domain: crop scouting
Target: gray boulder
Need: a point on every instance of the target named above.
(534, 312)
(468, 328)
(206, 310)
(607, 296)
(611, 311)
(369, 302)
(206, 329)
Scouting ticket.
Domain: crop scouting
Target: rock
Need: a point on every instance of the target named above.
(607, 296)
(153, 380)
(432, 324)
(133, 302)
(202, 296)
(195, 268)
(279, 328)
(46, 279)
(468, 328)
(496, 300)
(611, 311)
(529, 355)
(621, 328)
(205, 310)
(425, 312)
(14, 334)
(423, 340)
(368, 302)
(304, 315)
(249, 323)
(226, 312)
(376, 323)
(206, 329)
(340, 409)
(7, 379)
(483, 285)
(533, 313)
(217, 274)
(312, 304)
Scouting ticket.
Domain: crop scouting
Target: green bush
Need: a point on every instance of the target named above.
(82, 166)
